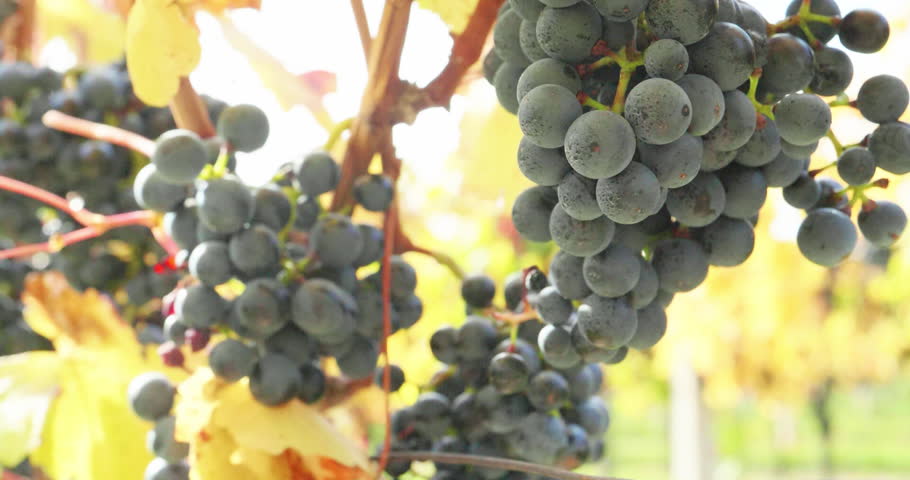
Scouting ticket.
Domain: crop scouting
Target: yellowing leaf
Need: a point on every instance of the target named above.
(97, 356)
(455, 13)
(162, 45)
(28, 384)
(89, 417)
(219, 6)
(223, 422)
(91, 31)
(68, 317)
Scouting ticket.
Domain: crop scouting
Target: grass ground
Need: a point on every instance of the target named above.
(870, 441)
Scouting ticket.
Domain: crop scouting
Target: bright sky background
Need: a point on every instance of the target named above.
(306, 37)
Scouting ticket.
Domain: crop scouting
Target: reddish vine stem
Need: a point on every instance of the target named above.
(189, 110)
(84, 217)
(98, 131)
(466, 50)
(391, 219)
(494, 462)
(139, 217)
(25, 31)
(363, 28)
(381, 94)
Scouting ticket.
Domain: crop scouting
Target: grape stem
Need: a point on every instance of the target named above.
(84, 217)
(814, 173)
(189, 110)
(628, 59)
(466, 49)
(24, 30)
(337, 130)
(842, 100)
(494, 462)
(98, 131)
(516, 318)
(388, 246)
(587, 101)
(838, 146)
(363, 27)
(57, 242)
(801, 19)
(443, 259)
(767, 110)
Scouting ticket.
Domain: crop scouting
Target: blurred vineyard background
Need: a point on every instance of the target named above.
(777, 369)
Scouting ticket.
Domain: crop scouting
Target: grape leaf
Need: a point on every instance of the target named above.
(162, 45)
(86, 28)
(219, 6)
(455, 14)
(223, 421)
(96, 356)
(28, 384)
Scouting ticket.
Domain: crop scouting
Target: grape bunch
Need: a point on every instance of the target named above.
(90, 173)
(653, 130)
(151, 397)
(526, 391)
(288, 281)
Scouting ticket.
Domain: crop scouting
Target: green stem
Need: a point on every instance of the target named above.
(221, 164)
(815, 172)
(767, 110)
(838, 146)
(810, 37)
(603, 62)
(842, 100)
(292, 195)
(590, 102)
(619, 101)
(336, 133)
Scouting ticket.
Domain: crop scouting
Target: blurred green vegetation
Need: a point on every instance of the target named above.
(870, 436)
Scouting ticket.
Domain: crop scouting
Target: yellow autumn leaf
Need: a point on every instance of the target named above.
(455, 13)
(219, 6)
(230, 432)
(89, 30)
(162, 45)
(96, 357)
(28, 384)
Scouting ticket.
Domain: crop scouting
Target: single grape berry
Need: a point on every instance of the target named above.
(864, 31)
(826, 237)
(232, 360)
(179, 155)
(151, 395)
(374, 192)
(318, 173)
(883, 99)
(546, 113)
(478, 291)
(245, 127)
(856, 166)
(509, 373)
(396, 377)
(659, 111)
(883, 223)
(666, 58)
(274, 380)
